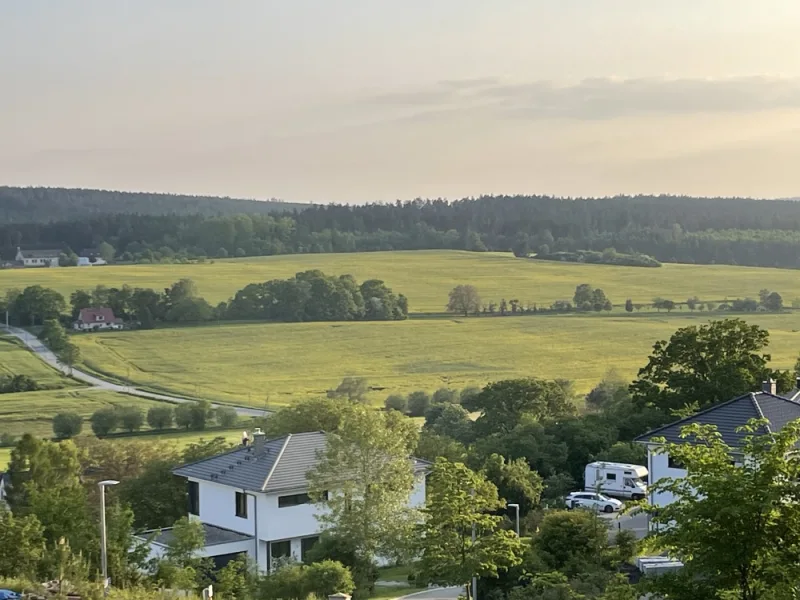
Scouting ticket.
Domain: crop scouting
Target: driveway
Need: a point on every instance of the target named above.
(635, 521)
(38, 348)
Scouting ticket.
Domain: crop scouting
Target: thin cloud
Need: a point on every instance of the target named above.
(606, 98)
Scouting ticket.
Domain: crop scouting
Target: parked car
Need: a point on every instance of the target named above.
(592, 501)
(8, 595)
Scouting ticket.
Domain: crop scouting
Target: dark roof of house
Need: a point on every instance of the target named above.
(213, 536)
(281, 465)
(731, 415)
(41, 253)
(89, 315)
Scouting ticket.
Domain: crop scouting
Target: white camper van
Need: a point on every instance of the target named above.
(616, 479)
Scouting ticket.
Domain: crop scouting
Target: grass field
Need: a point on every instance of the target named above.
(15, 359)
(180, 440)
(32, 412)
(248, 363)
(426, 277)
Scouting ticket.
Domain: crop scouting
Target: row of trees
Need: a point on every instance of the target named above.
(465, 300)
(667, 228)
(196, 416)
(308, 296)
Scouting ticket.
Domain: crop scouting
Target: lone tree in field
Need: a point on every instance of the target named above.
(464, 299)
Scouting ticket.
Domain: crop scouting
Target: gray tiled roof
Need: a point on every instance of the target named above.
(731, 415)
(213, 536)
(281, 466)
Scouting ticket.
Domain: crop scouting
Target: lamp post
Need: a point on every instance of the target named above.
(516, 506)
(103, 542)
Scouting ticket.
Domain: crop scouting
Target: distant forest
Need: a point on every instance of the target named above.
(43, 205)
(668, 228)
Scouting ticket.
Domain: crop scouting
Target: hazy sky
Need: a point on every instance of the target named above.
(358, 100)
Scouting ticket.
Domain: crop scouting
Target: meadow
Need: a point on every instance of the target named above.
(426, 277)
(32, 412)
(15, 359)
(178, 440)
(274, 364)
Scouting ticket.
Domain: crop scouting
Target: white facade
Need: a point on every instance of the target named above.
(658, 464)
(95, 326)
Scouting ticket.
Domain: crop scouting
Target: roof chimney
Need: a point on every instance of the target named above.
(245, 439)
(258, 440)
(770, 386)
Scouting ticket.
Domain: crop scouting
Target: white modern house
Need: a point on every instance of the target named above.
(254, 499)
(728, 417)
(38, 258)
(94, 319)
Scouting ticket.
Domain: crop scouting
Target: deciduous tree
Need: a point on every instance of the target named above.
(368, 465)
(464, 299)
(704, 364)
(458, 501)
(67, 425)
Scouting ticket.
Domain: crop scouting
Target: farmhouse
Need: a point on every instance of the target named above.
(728, 417)
(255, 500)
(93, 319)
(38, 258)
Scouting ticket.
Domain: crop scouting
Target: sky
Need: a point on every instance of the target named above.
(375, 100)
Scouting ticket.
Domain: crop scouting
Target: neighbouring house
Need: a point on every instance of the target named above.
(38, 258)
(255, 500)
(94, 319)
(728, 417)
(5, 483)
(90, 257)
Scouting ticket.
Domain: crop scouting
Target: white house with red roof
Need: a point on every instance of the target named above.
(94, 319)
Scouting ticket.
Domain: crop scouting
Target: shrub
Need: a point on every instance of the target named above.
(418, 403)
(160, 417)
(445, 395)
(396, 402)
(131, 418)
(104, 421)
(226, 416)
(67, 425)
(183, 415)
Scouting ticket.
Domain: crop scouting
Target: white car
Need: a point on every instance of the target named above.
(593, 501)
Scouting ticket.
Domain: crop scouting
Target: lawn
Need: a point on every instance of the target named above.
(283, 362)
(426, 277)
(15, 359)
(32, 412)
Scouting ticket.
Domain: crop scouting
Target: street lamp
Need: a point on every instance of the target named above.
(103, 542)
(516, 506)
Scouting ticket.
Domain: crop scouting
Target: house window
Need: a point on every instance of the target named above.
(297, 500)
(241, 505)
(611, 476)
(674, 463)
(193, 489)
(307, 544)
(280, 549)
(100, 317)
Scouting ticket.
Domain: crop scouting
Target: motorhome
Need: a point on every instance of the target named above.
(616, 479)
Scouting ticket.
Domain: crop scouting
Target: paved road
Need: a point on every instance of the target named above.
(445, 593)
(38, 348)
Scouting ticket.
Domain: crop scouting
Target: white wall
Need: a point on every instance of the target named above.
(659, 469)
(218, 507)
(288, 522)
(417, 499)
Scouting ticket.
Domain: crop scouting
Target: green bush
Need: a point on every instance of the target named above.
(67, 425)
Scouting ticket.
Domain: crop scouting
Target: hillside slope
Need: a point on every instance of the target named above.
(36, 204)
